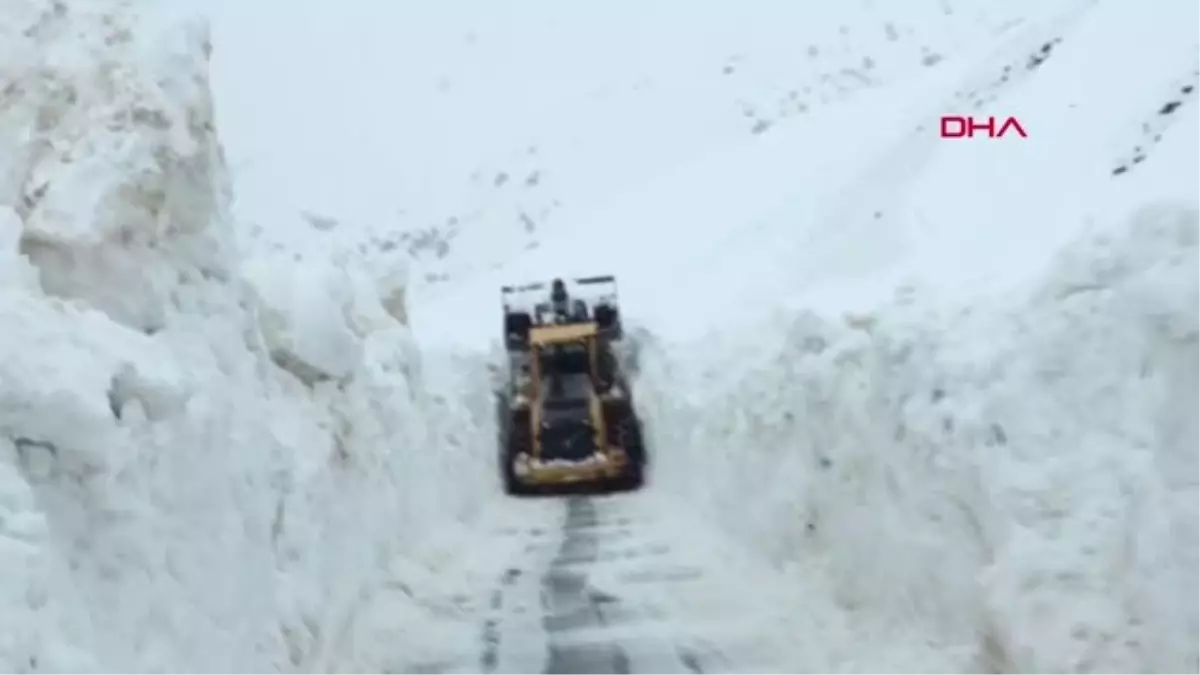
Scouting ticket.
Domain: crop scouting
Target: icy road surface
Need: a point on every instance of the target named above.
(607, 585)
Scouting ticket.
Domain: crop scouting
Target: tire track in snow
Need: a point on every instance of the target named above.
(596, 614)
(572, 605)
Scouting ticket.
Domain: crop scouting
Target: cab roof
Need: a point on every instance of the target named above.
(552, 334)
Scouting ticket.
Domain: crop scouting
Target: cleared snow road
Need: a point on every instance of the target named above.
(598, 589)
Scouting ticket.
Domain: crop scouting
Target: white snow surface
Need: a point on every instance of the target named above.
(948, 390)
(947, 387)
(172, 499)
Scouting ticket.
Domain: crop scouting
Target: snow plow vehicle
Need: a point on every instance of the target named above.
(566, 416)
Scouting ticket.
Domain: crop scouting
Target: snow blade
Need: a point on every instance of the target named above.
(525, 304)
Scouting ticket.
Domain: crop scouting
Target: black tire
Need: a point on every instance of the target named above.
(607, 372)
(516, 330)
(503, 462)
(512, 442)
(608, 320)
(513, 487)
(629, 435)
(630, 480)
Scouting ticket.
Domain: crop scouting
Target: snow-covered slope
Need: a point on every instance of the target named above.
(209, 460)
(471, 135)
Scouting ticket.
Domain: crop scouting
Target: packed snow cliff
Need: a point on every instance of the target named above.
(1017, 481)
(206, 459)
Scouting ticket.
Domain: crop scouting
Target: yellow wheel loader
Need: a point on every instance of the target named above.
(566, 416)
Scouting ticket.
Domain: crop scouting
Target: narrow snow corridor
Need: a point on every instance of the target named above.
(910, 403)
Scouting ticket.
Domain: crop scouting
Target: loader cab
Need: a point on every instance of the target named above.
(565, 354)
(566, 358)
(565, 394)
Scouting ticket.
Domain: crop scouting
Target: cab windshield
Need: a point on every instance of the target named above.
(565, 357)
(566, 374)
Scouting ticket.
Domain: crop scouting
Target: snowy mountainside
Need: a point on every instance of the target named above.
(969, 404)
(470, 134)
(206, 460)
(692, 219)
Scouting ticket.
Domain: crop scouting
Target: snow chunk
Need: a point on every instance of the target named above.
(316, 313)
(112, 164)
(303, 317)
(15, 270)
(76, 373)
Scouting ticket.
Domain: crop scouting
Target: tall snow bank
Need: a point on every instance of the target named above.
(1019, 479)
(112, 162)
(177, 491)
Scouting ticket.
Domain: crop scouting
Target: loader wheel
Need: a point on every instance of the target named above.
(515, 441)
(630, 438)
(512, 486)
(632, 479)
(516, 330)
(608, 320)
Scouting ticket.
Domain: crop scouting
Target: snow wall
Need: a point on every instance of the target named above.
(209, 460)
(1022, 481)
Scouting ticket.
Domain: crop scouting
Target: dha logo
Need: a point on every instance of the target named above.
(953, 126)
